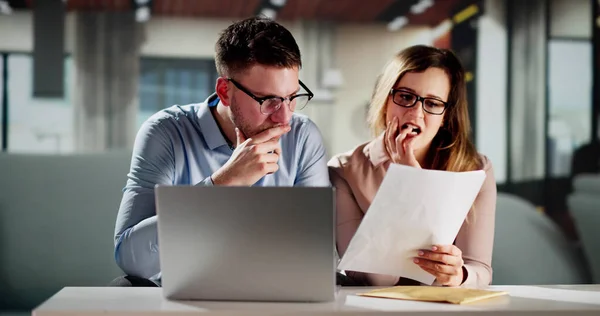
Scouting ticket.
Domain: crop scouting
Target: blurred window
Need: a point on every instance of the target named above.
(166, 82)
(37, 125)
(569, 101)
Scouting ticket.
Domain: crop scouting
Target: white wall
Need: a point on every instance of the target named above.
(16, 32)
(491, 87)
(167, 37)
(188, 38)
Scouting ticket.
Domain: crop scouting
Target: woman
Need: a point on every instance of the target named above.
(419, 113)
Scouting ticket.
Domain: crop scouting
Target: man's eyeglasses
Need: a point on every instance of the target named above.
(408, 99)
(270, 104)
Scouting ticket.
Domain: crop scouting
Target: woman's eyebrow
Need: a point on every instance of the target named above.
(413, 91)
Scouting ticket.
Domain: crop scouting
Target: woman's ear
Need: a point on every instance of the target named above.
(222, 89)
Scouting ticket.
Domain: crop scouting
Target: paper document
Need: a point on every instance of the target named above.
(434, 294)
(413, 209)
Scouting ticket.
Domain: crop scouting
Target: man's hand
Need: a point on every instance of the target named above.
(252, 159)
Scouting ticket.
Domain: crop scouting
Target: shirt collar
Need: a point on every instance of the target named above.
(376, 152)
(208, 125)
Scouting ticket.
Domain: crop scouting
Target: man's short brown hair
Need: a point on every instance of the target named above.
(255, 40)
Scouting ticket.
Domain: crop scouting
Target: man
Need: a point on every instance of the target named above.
(245, 134)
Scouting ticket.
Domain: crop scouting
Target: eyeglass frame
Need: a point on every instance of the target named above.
(417, 99)
(263, 99)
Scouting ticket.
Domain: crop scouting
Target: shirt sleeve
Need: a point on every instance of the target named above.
(476, 237)
(136, 236)
(312, 170)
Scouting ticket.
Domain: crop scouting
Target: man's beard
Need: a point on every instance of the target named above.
(242, 123)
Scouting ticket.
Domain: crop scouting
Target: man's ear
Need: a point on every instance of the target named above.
(222, 89)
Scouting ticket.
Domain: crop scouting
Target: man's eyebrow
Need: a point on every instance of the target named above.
(259, 94)
(270, 95)
(295, 92)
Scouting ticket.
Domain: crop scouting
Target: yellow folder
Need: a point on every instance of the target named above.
(454, 295)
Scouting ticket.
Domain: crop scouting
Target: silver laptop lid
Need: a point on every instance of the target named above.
(247, 243)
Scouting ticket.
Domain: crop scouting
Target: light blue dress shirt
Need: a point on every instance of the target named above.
(183, 145)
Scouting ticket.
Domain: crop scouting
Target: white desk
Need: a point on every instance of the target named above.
(149, 301)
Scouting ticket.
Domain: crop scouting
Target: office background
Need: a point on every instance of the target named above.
(79, 77)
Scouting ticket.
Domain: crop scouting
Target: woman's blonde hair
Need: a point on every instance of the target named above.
(452, 148)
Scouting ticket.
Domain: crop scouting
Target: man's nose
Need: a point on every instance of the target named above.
(283, 115)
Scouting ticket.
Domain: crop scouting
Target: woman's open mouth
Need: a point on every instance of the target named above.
(413, 128)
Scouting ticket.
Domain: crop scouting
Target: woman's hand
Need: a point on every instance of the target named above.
(443, 262)
(399, 144)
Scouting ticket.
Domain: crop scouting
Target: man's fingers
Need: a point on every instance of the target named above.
(239, 136)
(269, 168)
(271, 146)
(270, 133)
(269, 158)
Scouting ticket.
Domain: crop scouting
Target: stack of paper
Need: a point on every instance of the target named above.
(434, 294)
(413, 209)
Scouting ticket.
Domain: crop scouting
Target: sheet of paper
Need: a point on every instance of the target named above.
(553, 294)
(413, 209)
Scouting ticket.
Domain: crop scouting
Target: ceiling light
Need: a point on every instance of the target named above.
(142, 14)
(278, 3)
(269, 13)
(397, 23)
(442, 28)
(5, 7)
(421, 6)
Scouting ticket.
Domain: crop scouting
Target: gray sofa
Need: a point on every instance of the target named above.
(584, 206)
(530, 249)
(57, 216)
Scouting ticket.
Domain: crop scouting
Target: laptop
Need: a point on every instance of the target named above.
(247, 243)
